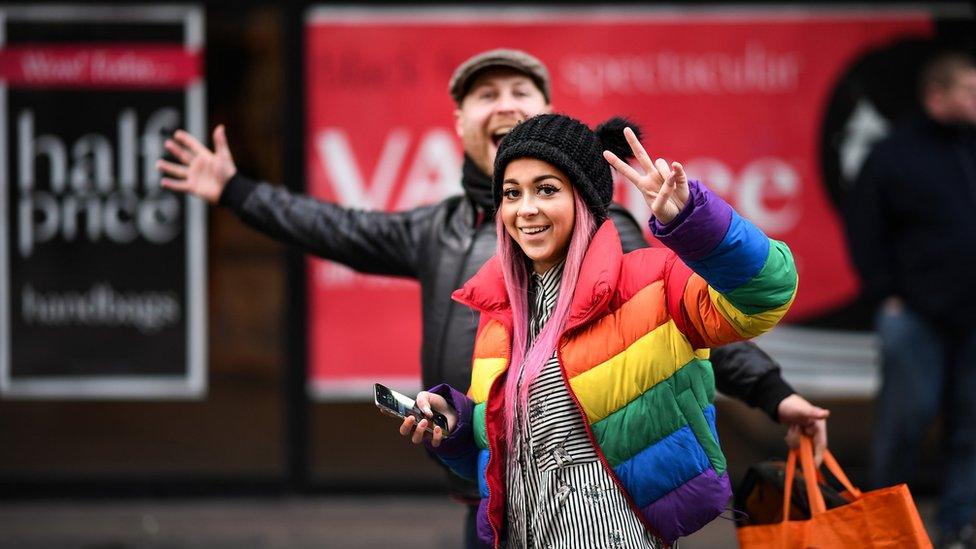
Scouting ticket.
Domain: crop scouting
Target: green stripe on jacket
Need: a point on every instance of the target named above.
(779, 271)
(478, 424)
(656, 413)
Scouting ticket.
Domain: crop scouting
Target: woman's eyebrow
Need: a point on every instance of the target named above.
(537, 179)
(543, 177)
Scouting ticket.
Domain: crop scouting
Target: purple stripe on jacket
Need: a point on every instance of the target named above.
(485, 533)
(690, 506)
(700, 226)
(461, 439)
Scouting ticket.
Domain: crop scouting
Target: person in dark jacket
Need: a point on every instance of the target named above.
(444, 244)
(913, 238)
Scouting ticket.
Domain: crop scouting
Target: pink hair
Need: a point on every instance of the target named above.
(515, 268)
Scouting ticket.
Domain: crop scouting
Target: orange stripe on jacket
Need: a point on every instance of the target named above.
(491, 341)
(711, 326)
(614, 333)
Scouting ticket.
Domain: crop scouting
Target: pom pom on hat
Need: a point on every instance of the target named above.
(611, 134)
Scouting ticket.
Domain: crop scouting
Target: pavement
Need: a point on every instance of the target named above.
(346, 522)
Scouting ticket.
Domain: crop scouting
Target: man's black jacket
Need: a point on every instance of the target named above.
(442, 246)
(911, 222)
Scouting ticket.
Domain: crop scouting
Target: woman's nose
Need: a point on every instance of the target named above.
(527, 207)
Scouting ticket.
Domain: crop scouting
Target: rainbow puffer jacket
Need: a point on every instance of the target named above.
(634, 355)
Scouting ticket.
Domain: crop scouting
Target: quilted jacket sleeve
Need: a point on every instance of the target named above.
(458, 451)
(729, 281)
(743, 371)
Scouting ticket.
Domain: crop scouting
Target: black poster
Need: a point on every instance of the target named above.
(103, 270)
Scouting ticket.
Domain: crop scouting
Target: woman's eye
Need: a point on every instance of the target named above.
(510, 194)
(547, 190)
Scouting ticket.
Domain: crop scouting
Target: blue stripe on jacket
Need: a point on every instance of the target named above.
(725, 275)
(653, 472)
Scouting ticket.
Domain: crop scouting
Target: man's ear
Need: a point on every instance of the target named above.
(933, 101)
(458, 126)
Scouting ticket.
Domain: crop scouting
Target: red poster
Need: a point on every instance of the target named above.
(737, 96)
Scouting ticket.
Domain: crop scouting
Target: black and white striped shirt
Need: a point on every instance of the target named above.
(559, 495)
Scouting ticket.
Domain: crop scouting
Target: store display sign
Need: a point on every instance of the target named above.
(738, 95)
(103, 271)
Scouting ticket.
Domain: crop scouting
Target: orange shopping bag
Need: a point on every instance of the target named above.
(880, 518)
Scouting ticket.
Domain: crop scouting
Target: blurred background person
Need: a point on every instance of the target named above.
(912, 233)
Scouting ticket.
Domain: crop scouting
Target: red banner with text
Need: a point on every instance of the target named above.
(739, 97)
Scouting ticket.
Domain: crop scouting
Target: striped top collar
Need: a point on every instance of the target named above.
(543, 293)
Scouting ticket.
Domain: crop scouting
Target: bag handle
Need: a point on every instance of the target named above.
(810, 476)
(788, 483)
(838, 473)
(814, 497)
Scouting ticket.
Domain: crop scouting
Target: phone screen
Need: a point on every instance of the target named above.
(396, 402)
(400, 405)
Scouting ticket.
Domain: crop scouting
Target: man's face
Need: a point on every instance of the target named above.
(498, 99)
(957, 103)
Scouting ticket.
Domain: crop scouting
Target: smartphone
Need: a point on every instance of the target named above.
(400, 406)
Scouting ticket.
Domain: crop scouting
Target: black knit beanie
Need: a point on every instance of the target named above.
(574, 148)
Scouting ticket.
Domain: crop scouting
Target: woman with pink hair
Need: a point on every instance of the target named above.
(589, 420)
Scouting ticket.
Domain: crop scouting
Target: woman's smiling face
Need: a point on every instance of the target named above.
(538, 210)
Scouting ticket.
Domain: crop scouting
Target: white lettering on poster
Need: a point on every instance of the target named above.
(100, 305)
(63, 68)
(433, 173)
(98, 66)
(107, 67)
(83, 196)
(343, 171)
(755, 69)
(766, 191)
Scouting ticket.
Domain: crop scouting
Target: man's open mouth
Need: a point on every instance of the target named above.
(498, 134)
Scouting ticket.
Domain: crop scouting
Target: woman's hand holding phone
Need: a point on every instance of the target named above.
(428, 403)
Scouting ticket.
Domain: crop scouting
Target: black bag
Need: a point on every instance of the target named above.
(759, 498)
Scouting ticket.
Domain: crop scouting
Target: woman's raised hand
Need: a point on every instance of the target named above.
(199, 171)
(428, 402)
(665, 188)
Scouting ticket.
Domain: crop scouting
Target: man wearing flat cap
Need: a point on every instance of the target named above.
(444, 244)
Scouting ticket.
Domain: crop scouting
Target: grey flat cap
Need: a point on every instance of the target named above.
(513, 59)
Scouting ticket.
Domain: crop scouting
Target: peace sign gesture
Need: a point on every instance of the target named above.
(665, 188)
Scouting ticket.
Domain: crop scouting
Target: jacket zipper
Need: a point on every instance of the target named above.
(491, 453)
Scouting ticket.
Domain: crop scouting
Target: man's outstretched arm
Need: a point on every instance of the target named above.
(368, 241)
